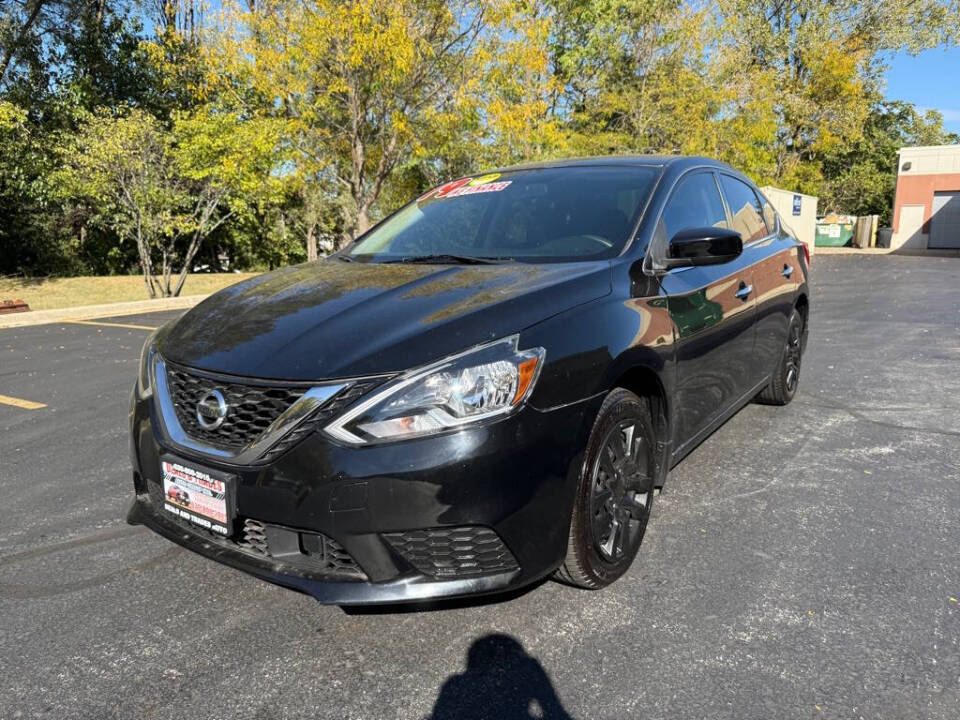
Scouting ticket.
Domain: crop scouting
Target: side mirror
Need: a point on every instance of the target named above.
(703, 246)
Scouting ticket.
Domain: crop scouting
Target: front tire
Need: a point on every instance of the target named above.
(786, 376)
(614, 495)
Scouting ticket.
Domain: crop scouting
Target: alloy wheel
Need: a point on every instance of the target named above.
(620, 498)
(793, 354)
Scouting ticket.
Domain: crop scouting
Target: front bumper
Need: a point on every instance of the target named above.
(508, 485)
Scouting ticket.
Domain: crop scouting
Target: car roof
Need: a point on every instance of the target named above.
(675, 161)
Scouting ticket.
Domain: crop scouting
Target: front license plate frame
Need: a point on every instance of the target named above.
(201, 496)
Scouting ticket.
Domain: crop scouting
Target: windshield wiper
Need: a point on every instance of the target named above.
(452, 259)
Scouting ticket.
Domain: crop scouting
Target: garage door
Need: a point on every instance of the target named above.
(945, 221)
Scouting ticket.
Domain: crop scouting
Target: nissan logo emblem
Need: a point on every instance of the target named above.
(212, 410)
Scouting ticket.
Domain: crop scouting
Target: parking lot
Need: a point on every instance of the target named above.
(803, 562)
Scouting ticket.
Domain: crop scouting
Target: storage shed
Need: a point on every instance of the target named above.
(797, 211)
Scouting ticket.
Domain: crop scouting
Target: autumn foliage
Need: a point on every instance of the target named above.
(258, 133)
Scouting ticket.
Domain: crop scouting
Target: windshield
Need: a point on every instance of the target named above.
(554, 214)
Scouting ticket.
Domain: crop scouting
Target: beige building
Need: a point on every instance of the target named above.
(926, 207)
(797, 211)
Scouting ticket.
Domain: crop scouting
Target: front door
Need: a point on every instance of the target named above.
(712, 308)
(714, 319)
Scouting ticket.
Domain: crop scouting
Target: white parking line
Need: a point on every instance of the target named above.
(110, 324)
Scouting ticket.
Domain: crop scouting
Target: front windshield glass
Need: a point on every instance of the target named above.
(554, 214)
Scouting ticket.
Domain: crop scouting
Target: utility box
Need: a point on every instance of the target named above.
(797, 211)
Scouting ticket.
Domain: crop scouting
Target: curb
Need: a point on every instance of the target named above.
(827, 250)
(911, 252)
(90, 312)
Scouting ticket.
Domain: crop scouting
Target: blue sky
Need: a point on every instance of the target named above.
(929, 80)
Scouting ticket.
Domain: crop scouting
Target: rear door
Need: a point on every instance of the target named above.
(777, 275)
(775, 269)
(712, 308)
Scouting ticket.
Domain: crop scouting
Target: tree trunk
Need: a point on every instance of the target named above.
(363, 221)
(312, 243)
(181, 279)
(145, 266)
(165, 275)
(148, 281)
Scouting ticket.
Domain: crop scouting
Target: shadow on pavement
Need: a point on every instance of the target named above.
(501, 682)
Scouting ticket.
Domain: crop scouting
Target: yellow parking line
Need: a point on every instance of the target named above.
(110, 324)
(17, 402)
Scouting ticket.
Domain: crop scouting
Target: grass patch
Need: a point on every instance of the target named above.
(49, 293)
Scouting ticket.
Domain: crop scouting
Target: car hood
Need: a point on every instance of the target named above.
(333, 319)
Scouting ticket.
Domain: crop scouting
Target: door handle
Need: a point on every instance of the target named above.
(744, 291)
(787, 271)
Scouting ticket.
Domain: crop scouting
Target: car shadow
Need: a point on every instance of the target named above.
(502, 682)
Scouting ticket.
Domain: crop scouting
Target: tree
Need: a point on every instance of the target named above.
(860, 178)
(22, 26)
(23, 193)
(166, 190)
(820, 66)
(630, 74)
(278, 130)
(362, 86)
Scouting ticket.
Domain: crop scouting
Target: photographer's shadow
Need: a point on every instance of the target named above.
(501, 682)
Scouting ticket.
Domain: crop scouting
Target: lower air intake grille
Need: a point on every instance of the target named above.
(310, 552)
(454, 552)
(254, 537)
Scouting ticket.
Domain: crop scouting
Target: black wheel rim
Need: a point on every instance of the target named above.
(620, 497)
(793, 354)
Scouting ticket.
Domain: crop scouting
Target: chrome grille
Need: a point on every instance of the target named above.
(252, 408)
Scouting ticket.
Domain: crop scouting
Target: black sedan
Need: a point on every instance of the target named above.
(483, 390)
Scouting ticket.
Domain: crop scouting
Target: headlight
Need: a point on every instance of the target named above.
(145, 378)
(482, 383)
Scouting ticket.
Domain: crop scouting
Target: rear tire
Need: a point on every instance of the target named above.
(614, 494)
(786, 377)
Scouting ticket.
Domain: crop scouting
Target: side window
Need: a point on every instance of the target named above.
(745, 208)
(695, 203)
(769, 214)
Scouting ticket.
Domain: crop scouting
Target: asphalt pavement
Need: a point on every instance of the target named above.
(803, 562)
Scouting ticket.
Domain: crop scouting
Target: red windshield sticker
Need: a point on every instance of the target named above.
(466, 186)
(445, 189)
(474, 189)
